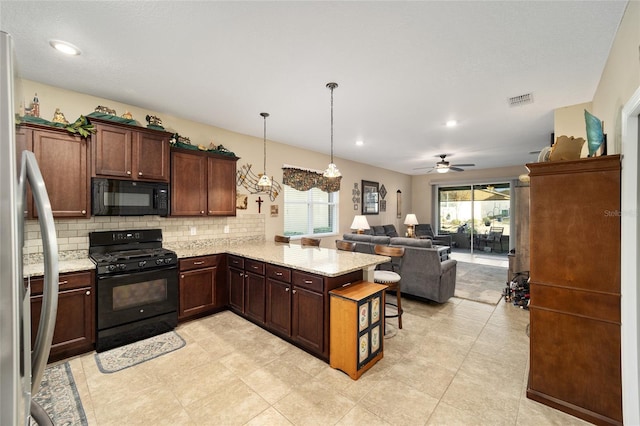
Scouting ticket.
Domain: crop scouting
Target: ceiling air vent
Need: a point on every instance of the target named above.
(527, 98)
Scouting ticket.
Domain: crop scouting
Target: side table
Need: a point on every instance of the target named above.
(356, 327)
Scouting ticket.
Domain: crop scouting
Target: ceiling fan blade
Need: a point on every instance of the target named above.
(456, 169)
(422, 168)
(463, 165)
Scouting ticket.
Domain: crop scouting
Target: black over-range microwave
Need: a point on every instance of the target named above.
(111, 197)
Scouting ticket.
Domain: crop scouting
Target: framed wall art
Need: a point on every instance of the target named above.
(370, 201)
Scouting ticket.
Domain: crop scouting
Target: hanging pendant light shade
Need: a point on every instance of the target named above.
(332, 170)
(264, 181)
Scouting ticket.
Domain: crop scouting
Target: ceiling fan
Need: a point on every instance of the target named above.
(443, 166)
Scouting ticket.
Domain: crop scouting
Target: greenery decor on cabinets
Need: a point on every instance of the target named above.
(80, 127)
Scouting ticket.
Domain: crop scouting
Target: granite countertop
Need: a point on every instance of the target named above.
(70, 265)
(317, 260)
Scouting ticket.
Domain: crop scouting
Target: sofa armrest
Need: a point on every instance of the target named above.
(448, 264)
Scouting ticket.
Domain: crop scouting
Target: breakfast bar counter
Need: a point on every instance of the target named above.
(316, 260)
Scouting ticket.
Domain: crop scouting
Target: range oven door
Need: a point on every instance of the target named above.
(132, 297)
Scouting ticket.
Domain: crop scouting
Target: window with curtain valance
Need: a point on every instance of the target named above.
(306, 179)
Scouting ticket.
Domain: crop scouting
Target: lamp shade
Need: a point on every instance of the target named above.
(360, 222)
(411, 219)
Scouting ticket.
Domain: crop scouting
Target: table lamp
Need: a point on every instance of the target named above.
(410, 220)
(360, 224)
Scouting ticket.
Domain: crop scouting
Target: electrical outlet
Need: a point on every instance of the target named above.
(193, 230)
(226, 229)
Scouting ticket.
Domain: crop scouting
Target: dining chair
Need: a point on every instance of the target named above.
(345, 245)
(310, 242)
(281, 239)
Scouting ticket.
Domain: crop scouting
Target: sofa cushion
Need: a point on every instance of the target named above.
(378, 239)
(390, 230)
(378, 230)
(361, 238)
(411, 242)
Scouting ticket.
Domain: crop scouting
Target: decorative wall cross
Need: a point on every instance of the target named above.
(259, 201)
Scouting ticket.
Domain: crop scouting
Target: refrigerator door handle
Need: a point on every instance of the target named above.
(31, 172)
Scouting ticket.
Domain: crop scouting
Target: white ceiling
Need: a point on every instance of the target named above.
(403, 68)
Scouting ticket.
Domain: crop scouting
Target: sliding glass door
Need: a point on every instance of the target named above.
(476, 216)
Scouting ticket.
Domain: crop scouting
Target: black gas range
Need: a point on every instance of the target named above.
(137, 286)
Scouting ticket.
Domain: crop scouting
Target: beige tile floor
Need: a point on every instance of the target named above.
(459, 363)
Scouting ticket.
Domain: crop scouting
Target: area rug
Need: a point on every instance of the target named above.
(480, 283)
(136, 353)
(59, 397)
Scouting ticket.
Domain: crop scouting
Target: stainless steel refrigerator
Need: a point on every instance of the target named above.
(21, 366)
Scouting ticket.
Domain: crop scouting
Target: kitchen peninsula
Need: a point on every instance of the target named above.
(281, 287)
(284, 288)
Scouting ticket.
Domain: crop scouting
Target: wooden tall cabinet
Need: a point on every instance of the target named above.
(63, 160)
(575, 229)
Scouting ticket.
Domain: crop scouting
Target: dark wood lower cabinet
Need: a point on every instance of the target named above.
(202, 286)
(75, 328)
(236, 289)
(290, 303)
(279, 307)
(254, 297)
(308, 319)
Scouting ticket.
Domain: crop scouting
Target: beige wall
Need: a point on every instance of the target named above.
(620, 78)
(249, 149)
(569, 120)
(423, 184)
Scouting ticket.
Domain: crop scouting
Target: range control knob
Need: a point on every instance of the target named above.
(122, 266)
(111, 268)
(159, 261)
(142, 263)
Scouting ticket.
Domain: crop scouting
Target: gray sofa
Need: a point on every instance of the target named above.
(423, 274)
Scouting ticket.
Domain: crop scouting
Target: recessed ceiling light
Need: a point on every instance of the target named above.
(64, 47)
(359, 143)
(452, 123)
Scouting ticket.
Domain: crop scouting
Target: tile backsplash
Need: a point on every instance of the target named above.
(73, 234)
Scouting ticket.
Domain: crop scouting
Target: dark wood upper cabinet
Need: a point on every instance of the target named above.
(128, 152)
(202, 184)
(63, 160)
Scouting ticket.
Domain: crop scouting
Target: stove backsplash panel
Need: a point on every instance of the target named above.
(73, 234)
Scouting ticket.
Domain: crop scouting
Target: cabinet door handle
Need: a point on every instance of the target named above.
(88, 293)
(198, 263)
(294, 292)
(182, 276)
(63, 282)
(129, 172)
(210, 211)
(308, 282)
(278, 274)
(286, 289)
(254, 267)
(139, 173)
(83, 212)
(201, 211)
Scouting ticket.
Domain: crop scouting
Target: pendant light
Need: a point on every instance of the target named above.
(264, 181)
(332, 170)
